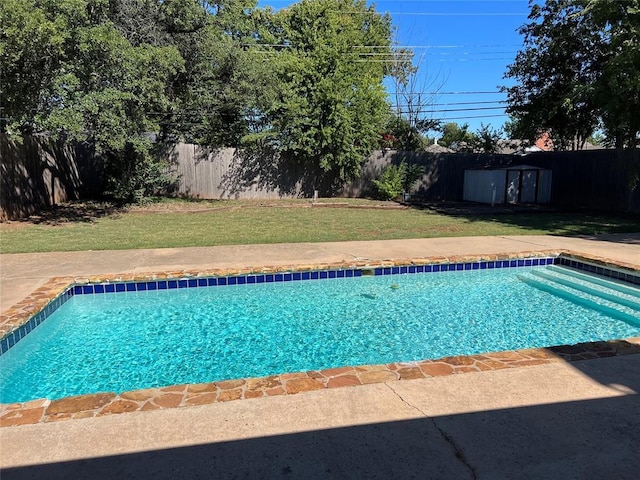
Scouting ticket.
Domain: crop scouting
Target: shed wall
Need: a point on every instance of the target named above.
(484, 186)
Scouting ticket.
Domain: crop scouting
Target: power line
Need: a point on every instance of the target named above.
(406, 110)
(421, 1)
(373, 60)
(368, 11)
(450, 93)
(396, 108)
(394, 54)
(467, 103)
(416, 94)
(503, 45)
(195, 122)
(391, 57)
(289, 45)
(392, 50)
(474, 59)
(186, 113)
(267, 2)
(460, 93)
(438, 14)
(472, 53)
(473, 116)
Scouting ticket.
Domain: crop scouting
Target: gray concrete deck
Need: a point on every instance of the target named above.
(578, 420)
(22, 273)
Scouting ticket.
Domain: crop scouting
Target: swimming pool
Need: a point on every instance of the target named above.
(157, 333)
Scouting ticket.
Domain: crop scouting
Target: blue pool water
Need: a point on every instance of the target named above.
(126, 341)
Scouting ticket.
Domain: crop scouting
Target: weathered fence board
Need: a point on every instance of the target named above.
(606, 180)
(38, 172)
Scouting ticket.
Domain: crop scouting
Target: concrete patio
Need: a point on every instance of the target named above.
(22, 273)
(562, 420)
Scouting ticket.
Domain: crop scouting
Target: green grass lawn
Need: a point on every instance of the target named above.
(253, 224)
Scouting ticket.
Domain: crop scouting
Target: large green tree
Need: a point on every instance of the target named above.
(555, 74)
(331, 106)
(578, 71)
(69, 72)
(618, 90)
(227, 80)
(305, 81)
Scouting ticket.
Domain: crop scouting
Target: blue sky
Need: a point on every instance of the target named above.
(462, 46)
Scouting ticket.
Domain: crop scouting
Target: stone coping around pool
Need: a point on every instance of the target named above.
(20, 314)
(101, 404)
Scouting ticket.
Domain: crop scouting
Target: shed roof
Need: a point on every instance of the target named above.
(522, 167)
(515, 167)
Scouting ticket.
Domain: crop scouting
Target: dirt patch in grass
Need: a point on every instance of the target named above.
(98, 226)
(90, 211)
(204, 206)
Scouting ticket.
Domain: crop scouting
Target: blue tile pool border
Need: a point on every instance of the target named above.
(19, 333)
(13, 337)
(589, 267)
(293, 276)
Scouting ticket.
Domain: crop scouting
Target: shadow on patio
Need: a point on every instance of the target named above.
(586, 439)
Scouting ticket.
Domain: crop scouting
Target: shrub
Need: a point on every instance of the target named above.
(396, 179)
(135, 174)
(389, 184)
(411, 174)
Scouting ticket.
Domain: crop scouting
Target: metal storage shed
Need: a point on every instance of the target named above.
(519, 184)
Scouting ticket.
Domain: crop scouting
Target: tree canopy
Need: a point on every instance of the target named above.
(332, 105)
(305, 81)
(71, 73)
(579, 70)
(457, 136)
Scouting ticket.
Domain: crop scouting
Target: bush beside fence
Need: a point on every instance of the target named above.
(37, 172)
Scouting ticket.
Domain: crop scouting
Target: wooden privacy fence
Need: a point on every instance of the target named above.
(599, 179)
(228, 173)
(38, 172)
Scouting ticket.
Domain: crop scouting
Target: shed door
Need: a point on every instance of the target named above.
(529, 185)
(513, 186)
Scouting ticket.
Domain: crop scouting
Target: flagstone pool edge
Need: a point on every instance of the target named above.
(109, 403)
(100, 404)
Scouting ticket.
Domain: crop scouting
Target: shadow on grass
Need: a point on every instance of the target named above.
(90, 211)
(588, 224)
(537, 218)
(75, 212)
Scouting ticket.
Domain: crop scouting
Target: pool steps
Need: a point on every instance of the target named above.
(606, 299)
(590, 278)
(602, 291)
(23, 317)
